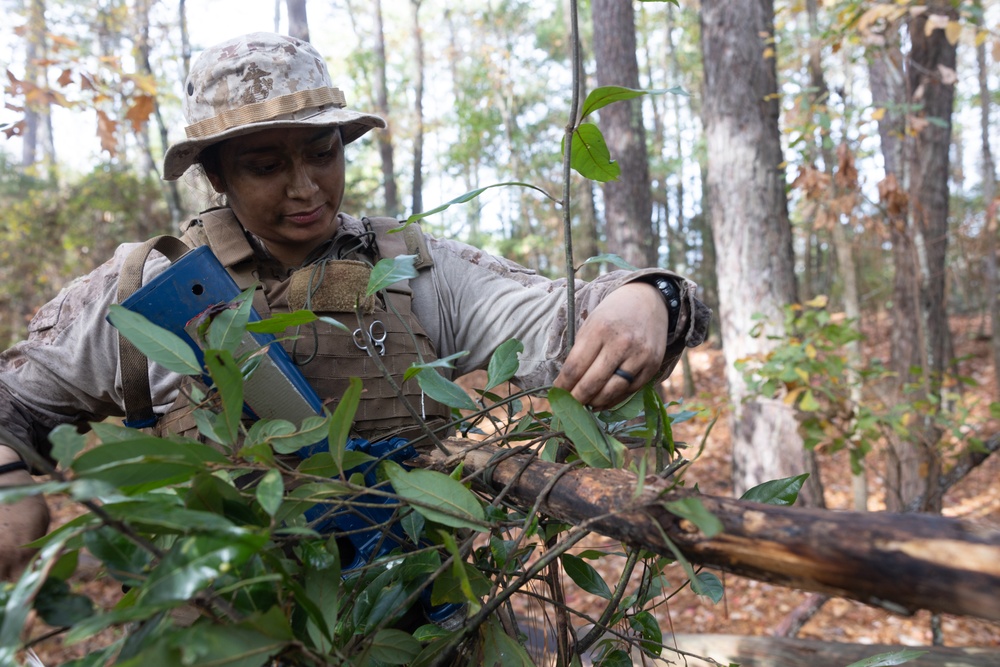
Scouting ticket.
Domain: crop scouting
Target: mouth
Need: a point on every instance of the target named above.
(306, 217)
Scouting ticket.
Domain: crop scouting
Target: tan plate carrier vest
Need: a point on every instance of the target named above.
(326, 356)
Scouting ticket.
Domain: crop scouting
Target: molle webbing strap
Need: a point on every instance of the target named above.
(394, 239)
(134, 365)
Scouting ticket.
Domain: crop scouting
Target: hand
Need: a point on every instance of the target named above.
(627, 331)
(20, 523)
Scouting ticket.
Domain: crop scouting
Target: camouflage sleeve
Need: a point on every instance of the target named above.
(66, 371)
(473, 301)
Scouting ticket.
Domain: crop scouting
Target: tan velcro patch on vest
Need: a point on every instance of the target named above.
(335, 286)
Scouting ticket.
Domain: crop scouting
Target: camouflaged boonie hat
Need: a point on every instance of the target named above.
(258, 82)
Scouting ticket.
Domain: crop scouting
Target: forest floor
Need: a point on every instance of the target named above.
(750, 607)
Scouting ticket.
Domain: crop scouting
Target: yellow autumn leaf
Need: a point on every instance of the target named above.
(811, 351)
(768, 53)
(802, 374)
(878, 114)
(793, 395)
(935, 22)
(953, 31)
(818, 301)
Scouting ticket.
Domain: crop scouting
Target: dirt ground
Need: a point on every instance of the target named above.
(750, 607)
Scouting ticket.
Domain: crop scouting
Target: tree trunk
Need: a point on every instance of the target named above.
(772, 652)
(930, 56)
(37, 128)
(907, 333)
(418, 111)
(901, 562)
(298, 24)
(627, 201)
(171, 193)
(750, 225)
(842, 176)
(989, 193)
(921, 338)
(384, 138)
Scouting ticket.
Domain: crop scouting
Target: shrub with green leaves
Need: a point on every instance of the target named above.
(219, 565)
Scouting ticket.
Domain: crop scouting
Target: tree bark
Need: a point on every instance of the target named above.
(929, 174)
(750, 225)
(418, 111)
(298, 23)
(989, 193)
(384, 138)
(902, 562)
(627, 201)
(771, 652)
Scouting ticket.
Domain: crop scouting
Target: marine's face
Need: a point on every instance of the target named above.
(285, 186)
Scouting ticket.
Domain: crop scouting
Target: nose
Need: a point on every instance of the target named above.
(301, 184)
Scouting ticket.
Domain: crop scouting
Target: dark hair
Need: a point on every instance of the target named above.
(208, 158)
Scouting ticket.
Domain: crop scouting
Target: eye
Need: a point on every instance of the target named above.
(263, 168)
(324, 152)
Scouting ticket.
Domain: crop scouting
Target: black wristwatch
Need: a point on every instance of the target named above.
(671, 296)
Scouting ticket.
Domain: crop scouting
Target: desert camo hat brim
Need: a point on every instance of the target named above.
(256, 82)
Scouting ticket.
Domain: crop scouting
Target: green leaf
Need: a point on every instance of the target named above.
(394, 647)
(413, 525)
(808, 402)
(342, 421)
(270, 491)
(591, 157)
(777, 491)
(694, 511)
(282, 321)
(123, 558)
(391, 270)
(596, 448)
(228, 379)
(195, 562)
(161, 346)
(504, 363)
(472, 194)
(59, 607)
(709, 585)
(444, 391)
(649, 629)
(437, 497)
(67, 442)
(161, 513)
(609, 258)
(321, 578)
(312, 431)
(127, 464)
(500, 649)
(605, 95)
(249, 644)
(444, 362)
(891, 658)
(616, 658)
(585, 576)
(20, 597)
(228, 326)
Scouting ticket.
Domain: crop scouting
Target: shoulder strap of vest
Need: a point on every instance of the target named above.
(395, 238)
(134, 364)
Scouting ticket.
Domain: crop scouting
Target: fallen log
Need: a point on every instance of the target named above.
(783, 652)
(901, 562)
